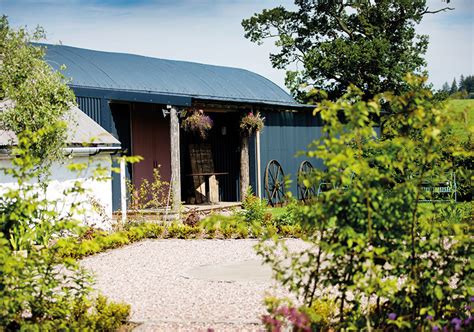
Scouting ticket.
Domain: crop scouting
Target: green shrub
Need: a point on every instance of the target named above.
(153, 231)
(98, 315)
(233, 226)
(30, 298)
(210, 232)
(241, 231)
(288, 217)
(90, 247)
(105, 315)
(180, 231)
(149, 194)
(253, 208)
(236, 227)
(321, 314)
(228, 230)
(135, 234)
(65, 246)
(216, 225)
(290, 231)
(78, 247)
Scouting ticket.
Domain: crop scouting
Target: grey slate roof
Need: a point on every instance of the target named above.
(81, 130)
(135, 73)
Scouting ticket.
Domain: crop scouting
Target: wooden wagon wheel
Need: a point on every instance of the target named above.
(274, 183)
(305, 193)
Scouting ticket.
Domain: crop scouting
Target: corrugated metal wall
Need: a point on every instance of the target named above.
(99, 110)
(284, 135)
(91, 106)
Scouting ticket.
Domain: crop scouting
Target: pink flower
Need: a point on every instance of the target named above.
(283, 311)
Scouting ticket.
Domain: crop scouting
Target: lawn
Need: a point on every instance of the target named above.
(277, 211)
(463, 119)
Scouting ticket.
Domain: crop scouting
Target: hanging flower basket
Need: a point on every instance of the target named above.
(197, 122)
(251, 123)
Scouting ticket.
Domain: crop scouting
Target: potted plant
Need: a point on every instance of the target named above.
(249, 124)
(197, 122)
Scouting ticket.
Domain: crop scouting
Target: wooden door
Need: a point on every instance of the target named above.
(151, 140)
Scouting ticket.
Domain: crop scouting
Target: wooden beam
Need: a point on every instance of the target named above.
(175, 160)
(259, 170)
(123, 191)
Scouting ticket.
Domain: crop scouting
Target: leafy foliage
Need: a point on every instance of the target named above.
(36, 294)
(288, 217)
(384, 258)
(370, 44)
(253, 208)
(39, 290)
(149, 194)
(93, 241)
(38, 96)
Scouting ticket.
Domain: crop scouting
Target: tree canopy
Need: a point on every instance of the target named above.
(371, 44)
(465, 86)
(38, 95)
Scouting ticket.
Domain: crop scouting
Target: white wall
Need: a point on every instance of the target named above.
(96, 201)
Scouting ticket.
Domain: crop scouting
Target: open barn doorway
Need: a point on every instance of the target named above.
(222, 148)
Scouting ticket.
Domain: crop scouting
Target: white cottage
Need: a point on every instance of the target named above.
(88, 143)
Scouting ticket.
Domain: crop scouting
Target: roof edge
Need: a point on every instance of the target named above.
(159, 97)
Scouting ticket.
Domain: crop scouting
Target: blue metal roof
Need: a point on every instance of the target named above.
(135, 73)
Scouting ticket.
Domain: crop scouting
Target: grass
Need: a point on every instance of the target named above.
(276, 211)
(463, 110)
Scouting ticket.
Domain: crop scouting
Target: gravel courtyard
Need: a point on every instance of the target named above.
(187, 284)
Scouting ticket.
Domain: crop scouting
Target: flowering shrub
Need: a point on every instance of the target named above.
(197, 122)
(284, 316)
(251, 123)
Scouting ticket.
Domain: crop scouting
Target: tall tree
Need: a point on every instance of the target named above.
(454, 87)
(461, 82)
(467, 84)
(335, 43)
(445, 87)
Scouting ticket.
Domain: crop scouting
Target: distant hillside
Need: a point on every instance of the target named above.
(457, 106)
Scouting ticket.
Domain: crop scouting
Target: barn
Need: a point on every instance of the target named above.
(140, 101)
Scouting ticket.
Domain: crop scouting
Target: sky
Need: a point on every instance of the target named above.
(208, 31)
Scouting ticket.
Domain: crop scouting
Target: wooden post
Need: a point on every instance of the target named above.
(123, 191)
(259, 173)
(175, 160)
(244, 166)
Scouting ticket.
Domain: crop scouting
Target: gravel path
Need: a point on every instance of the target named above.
(187, 284)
